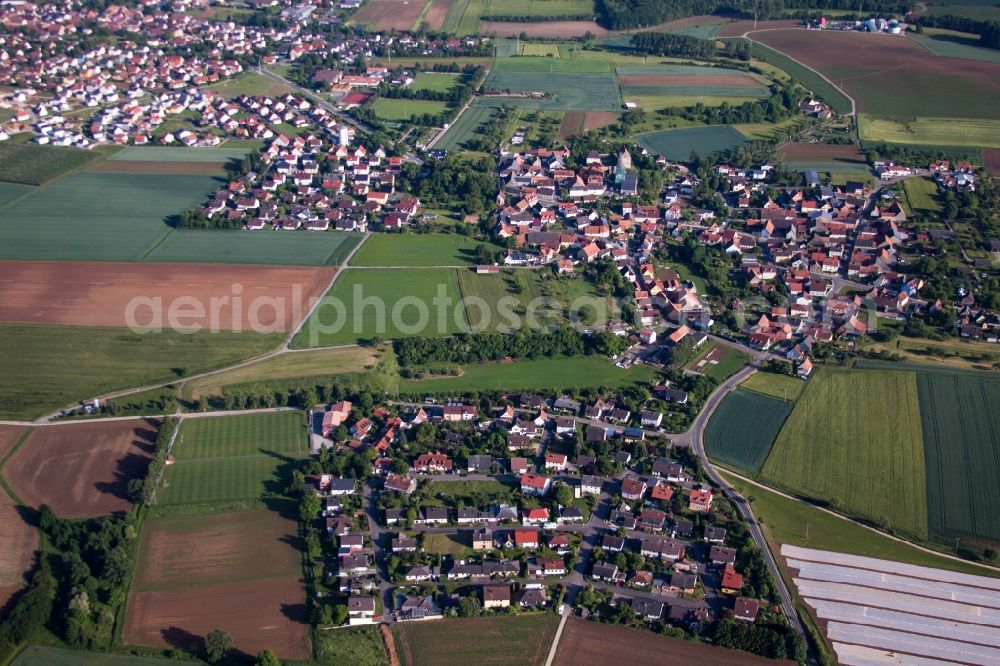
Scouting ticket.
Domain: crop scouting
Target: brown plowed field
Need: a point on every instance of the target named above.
(821, 152)
(158, 168)
(98, 294)
(436, 14)
(390, 14)
(738, 28)
(205, 550)
(81, 470)
(266, 614)
(991, 161)
(586, 643)
(666, 81)
(542, 29)
(577, 122)
(18, 539)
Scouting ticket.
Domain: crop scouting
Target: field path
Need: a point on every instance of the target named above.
(819, 74)
(283, 349)
(555, 639)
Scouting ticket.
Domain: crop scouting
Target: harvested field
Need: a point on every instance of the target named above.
(98, 294)
(81, 470)
(266, 614)
(543, 29)
(739, 28)
(388, 15)
(195, 551)
(520, 639)
(893, 77)
(437, 13)
(812, 153)
(586, 643)
(159, 168)
(991, 161)
(18, 539)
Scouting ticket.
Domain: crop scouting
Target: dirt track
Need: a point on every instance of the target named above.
(18, 539)
(81, 470)
(586, 643)
(265, 614)
(98, 294)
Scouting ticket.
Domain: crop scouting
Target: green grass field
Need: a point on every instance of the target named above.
(32, 164)
(978, 133)
(922, 196)
(731, 361)
(447, 544)
(856, 169)
(581, 85)
(298, 248)
(657, 102)
(730, 92)
(37, 655)
(544, 373)
(170, 154)
(543, 8)
(954, 46)
(960, 413)
(789, 521)
(560, 300)
(98, 216)
(743, 427)
(437, 81)
(387, 304)
(250, 83)
(57, 365)
(832, 95)
(358, 646)
(417, 250)
(10, 192)
(233, 457)
(984, 10)
(313, 363)
(678, 144)
(543, 50)
(774, 385)
(465, 127)
(521, 639)
(403, 109)
(854, 440)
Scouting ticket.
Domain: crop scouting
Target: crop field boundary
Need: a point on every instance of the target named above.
(820, 85)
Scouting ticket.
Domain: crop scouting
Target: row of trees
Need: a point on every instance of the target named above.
(626, 14)
(988, 31)
(672, 44)
(473, 347)
(782, 103)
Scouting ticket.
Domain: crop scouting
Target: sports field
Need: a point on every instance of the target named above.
(579, 85)
(312, 363)
(297, 248)
(32, 164)
(680, 143)
(743, 427)
(417, 250)
(233, 457)
(465, 127)
(976, 133)
(404, 109)
(540, 374)
(960, 414)
(97, 216)
(867, 458)
(922, 196)
(521, 639)
(387, 304)
(56, 366)
(437, 81)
